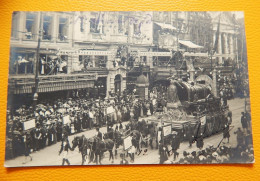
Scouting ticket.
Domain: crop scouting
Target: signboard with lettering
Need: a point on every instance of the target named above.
(29, 124)
(127, 143)
(84, 52)
(167, 130)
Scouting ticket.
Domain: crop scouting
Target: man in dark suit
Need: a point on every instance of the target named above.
(98, 134)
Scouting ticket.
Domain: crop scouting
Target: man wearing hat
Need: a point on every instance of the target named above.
(91, 116)
(38, 137)
(163, 152)
(240, 137)
(98, 134)
(65, 146)
(244, 122)
(123, 160)
(226, 133)
(27, 146)
(200, 142)
(175, 145)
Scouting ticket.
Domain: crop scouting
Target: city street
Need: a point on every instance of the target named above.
(49, 155)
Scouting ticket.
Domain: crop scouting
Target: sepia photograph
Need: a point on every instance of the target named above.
(128, 87)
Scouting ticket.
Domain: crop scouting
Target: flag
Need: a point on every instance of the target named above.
(217, 35)
(100, 23)
(97, 21)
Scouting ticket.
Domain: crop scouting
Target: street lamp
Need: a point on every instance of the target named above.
(35, 96)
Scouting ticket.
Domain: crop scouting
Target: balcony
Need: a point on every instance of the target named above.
(25, 84)
(100, 72)
(118, 38)
(163, 72)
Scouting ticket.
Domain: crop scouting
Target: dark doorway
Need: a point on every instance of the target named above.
(118, 84)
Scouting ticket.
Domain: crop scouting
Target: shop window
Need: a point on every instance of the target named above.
(100, 61)
(47, 27)
(63, 29)
(14, 32)
(63, 68)
(85, 60)
(30, 25)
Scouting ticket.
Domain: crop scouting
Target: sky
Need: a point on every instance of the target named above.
(239, 14)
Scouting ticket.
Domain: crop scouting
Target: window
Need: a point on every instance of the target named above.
(47, 28)
(93, 27)
(85, 60)
(30, 25)
(97, 23)
(82, 23)
(21, 63)
(120, 24)
(63, 29)
(14, 32)
(137, 28)
(100, 61)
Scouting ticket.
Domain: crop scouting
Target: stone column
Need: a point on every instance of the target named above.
(225, 45)
(108, 86)
(130, 32)
(92, 59)
(21, 26)
(236, 50)
(214, 39)
(75, 60)
(220, 49)
(231, 46)
(150, 61)
(123, 84)
(55, 27)
(215, 83)
(36, 25)
(70, 60)
(112, 83)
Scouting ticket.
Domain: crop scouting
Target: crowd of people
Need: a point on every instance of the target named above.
(222, 153)
(63, 117)
(56, 120)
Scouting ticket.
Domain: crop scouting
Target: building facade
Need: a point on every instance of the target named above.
(110, 47)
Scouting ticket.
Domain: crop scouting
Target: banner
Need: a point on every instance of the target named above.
(29, 124)
(127, 143)
(203, 120)
(66, 119)
(167, 130)
(110, 110)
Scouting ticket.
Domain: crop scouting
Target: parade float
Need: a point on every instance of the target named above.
(192, 111)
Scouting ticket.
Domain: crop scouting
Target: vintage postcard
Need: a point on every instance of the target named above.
(102, 88)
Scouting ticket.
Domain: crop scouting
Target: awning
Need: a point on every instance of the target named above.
(189, 44)
(166, 26)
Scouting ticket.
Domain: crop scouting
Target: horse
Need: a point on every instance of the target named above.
(83, 145)
(132, 125)
(136, 136)
(116, 136)
(99, 147)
